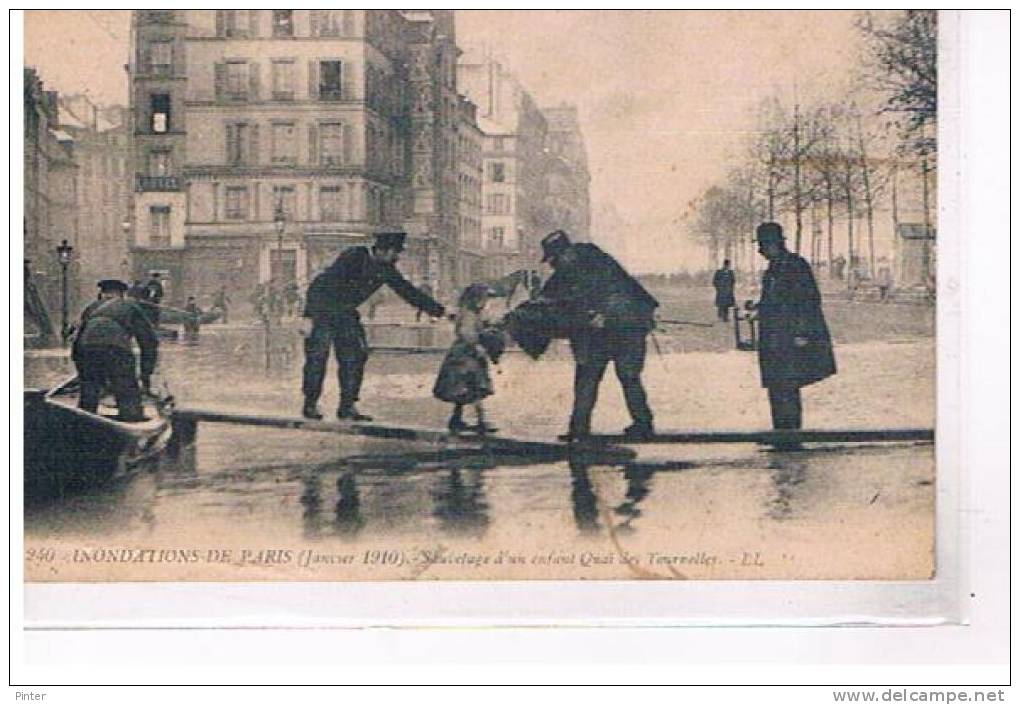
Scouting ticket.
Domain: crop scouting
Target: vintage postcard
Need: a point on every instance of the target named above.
(361, 295)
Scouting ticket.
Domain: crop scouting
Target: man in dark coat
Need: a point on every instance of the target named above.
(723, 281)
(331, 309)
(103, 353)
(794, 348)
(614, 315)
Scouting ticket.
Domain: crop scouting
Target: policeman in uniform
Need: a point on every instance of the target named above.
(794, 346)
(104, 355)
(615, 314)
(332, 318)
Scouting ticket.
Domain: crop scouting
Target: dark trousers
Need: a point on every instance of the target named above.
(592, 353)
(724, 312)
(347, 336)
(114, 369)
(786, 407)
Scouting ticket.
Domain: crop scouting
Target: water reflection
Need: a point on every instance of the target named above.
(460, 504)
(788, 471)
(348, 505)
(582, 498)
(638, 478)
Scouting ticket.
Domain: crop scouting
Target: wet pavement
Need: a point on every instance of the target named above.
(270, 504)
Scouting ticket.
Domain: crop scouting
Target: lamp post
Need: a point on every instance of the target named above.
(64, 252)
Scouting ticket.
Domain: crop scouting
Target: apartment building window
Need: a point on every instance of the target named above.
(159, 226)
(498, 144)
(237, 80)
(237, 203)
(284, 196)
(284, 143)
(330, 74)
(497, 204)
(283, 79)
(327, 23)
(283, 23)
(497, 237)
(161, 58)
(159, 163)
(160, 104)
(497, 172)
(331, 203)
(242, 144)
(331, 143)
(234, 23)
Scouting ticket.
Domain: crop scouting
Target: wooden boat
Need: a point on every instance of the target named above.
(68, 449)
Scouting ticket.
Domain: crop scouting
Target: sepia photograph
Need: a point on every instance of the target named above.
(480, 295)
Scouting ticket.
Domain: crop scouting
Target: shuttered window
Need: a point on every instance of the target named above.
(284, 143)
(331, 203)
(331, 151)
(237, 203)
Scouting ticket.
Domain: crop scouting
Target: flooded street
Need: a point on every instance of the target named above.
(250, 504)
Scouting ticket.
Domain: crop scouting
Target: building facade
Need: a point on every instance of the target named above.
(568, 180)
(471, 172)
(50, 198)
(265, 142)
(100, 146)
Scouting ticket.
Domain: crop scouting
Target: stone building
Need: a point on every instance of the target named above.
(515, 215)
(100, 140)
(470, 145)
(567, 177)
(50, 198)
(244, 116)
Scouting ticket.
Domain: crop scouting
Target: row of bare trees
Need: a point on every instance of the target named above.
(820, 162)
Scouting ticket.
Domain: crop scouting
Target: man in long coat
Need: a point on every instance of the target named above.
(794, 347)
(331, 309)
(723, 280)
(614, 315)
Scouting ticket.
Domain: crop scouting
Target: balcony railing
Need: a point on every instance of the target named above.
(157, 183)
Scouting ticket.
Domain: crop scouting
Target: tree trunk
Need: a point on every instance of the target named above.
(798, 219)
(830, 218)
(868, 202)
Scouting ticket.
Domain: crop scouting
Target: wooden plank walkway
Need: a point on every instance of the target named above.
(186, 420)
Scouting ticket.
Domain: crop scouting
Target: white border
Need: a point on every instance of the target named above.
(965, 286)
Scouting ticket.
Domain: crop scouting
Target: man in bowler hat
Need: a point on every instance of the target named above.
(614, 316)
(103, 353)
(331, 318)
(794, 347)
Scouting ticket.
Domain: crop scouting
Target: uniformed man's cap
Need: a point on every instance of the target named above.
(391, 241)
(553, 244)
(155, 273)
(106, 285)
(770, 232)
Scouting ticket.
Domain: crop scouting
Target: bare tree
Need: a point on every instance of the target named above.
(902, 62)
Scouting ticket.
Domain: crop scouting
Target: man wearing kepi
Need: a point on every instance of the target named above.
(794, 347)
(103, 354)
(614, 315)
(332, 318)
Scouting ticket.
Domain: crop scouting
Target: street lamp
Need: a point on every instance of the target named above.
(64, 252)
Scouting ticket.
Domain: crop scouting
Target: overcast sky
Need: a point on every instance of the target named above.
(666, 98)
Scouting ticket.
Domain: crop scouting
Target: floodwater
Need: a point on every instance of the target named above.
(249, 503)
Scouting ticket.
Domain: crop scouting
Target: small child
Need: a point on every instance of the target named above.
(464, 376)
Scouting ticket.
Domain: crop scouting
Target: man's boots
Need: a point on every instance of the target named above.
(351, 413)
(311, 410)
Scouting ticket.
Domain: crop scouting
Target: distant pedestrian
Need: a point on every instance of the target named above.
(885, 282)
(192, 321)
(794, 348)
(723, 281)
(154, 293)
(464, 375)
(221, 302)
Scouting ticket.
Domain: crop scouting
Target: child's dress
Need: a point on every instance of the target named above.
(464, 375)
